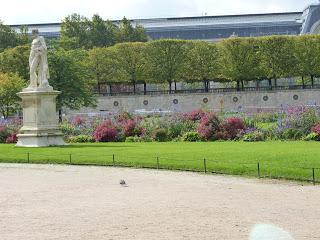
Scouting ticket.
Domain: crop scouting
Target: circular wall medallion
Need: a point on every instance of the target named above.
(115, 103)
(295, 97)
(265, 98)
(175, 101)
(205, 100)
(235, 99)
(145, 102)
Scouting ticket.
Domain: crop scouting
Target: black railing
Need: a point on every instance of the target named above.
(211, 90)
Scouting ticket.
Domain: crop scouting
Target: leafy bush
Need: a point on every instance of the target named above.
(312, 137)
(4, 134)
(191, 137)
(316, 129)
(178, 127)
(209, 126)
(135, 139)
(233, 127)
(105, 132)
(161, 135)
(12, 138)
(292, 134)
(255, 136)
(195, 115)
(81, 139)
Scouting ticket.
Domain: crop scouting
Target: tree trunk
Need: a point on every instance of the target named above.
(303, 85)
(60, 116)
(110, 88)
(175, 86)
(242, 85)
(134, 87)
(170, 87)
(275, 82)
(312, 81)
(145, 88)
(238, 85)
(270, 83)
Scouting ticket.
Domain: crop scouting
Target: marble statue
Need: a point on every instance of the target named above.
(38, 62)
(40, 121)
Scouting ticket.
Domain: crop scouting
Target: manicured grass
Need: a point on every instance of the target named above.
(291, 160)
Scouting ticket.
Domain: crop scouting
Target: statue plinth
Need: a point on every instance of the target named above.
(40, 120)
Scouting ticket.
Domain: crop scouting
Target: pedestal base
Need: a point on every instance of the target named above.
(40, 120)
(40, 140)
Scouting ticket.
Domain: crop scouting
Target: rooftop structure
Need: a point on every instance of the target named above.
(212, 28)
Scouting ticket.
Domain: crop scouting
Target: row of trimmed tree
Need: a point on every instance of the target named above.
(237, 60)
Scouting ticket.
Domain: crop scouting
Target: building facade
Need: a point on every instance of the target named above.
(213, 28)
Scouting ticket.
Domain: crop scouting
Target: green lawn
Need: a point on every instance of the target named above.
(291, 160)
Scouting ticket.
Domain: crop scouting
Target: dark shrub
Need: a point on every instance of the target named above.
(4, 134)
(233, 127)
(209, 126)
(161, 135)
(12, 138)
(105, 132)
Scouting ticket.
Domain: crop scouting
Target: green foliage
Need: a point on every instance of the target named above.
(191, 137)
(202, 62)
(80, 32)
(69, 74)
(166, 59)
(312, 137)
(9, 38)
(135, 139)
(10, 85)
(16, 60)
(292, 133)
(130, 62)
(80, 139)
(127, 33)
(255, 136)
(161, 135)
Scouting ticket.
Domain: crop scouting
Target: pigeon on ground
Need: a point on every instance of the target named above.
(123, 183)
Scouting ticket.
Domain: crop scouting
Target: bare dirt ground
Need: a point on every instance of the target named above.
(71, 202)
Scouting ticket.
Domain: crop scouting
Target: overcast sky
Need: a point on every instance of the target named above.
(45, 11)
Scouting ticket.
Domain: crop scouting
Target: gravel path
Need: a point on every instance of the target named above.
(40, 202)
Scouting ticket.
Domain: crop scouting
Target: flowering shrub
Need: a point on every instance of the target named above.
(232, 127)
(105, 132)
(316, 129)
(195, 115)
(209, 126)
(78, 120)
(81, 139)
(12, 138)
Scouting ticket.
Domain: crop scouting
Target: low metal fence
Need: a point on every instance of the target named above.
(259, 169)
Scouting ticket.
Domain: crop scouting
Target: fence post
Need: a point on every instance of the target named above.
(28, 157)
(313, 176)
(158, 164)
(259, 175)
(205, 165)
(70, 160)
(113, 161)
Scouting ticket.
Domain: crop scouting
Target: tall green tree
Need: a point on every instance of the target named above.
(240, 60)
(202, 63)
(166, 59)
(15, 60)
(9, 38)
(69, 74)
(307, 53)
(277, 57)
(104, 68)
(131, 62)
(10, 85)
(129, 33)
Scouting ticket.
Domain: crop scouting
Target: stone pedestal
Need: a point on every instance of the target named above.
(40, 120)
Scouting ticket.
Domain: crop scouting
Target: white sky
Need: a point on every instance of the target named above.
(45, 11)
